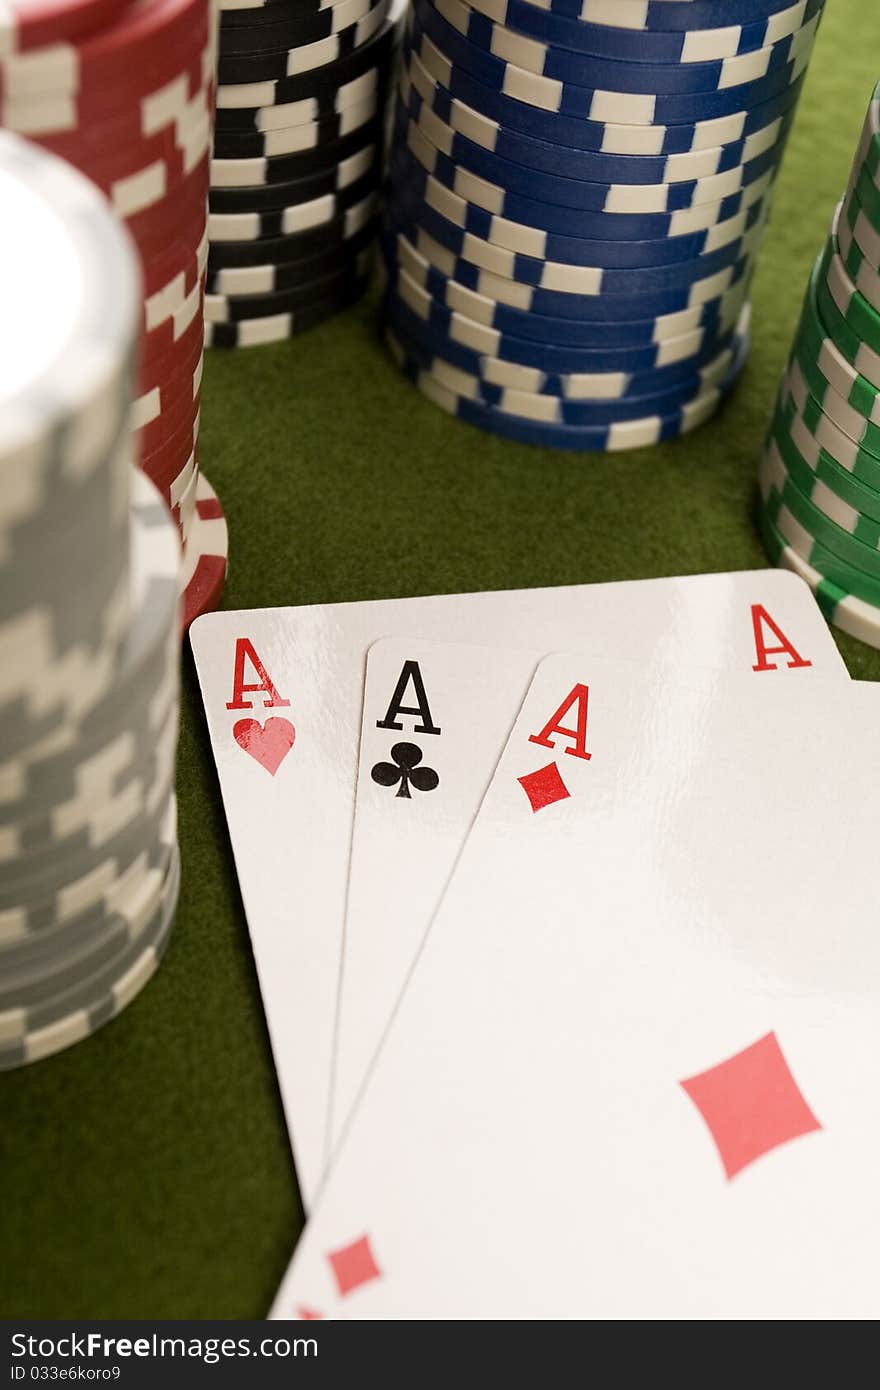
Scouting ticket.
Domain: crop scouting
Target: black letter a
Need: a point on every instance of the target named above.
(409, 672)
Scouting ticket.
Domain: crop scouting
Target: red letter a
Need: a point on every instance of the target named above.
(580, 696)
(244, 651)
(760, 617)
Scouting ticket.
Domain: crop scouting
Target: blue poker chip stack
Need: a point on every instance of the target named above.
(578, 192)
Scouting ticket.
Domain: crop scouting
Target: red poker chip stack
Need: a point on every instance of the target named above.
(124, 90)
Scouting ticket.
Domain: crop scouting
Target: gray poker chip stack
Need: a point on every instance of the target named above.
(89, 624)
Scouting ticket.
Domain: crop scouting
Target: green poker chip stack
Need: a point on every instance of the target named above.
(820, 469)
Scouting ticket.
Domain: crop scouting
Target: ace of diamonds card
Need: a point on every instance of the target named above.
(634, 1073)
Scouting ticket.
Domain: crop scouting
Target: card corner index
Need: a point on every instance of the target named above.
(203, 628)
(394, 640)
(784, 578)
(387, 639)
(195, 631)
(576, 659)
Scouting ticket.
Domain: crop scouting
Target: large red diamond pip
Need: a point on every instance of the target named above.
(751, 1104)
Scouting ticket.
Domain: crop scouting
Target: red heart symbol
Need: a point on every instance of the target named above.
(269, 743)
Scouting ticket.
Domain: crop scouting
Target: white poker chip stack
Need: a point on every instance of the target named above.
(89, 623)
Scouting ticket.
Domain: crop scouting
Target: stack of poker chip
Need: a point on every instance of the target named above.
(124, 90)
(298, 160)
(578, 193)
(820, 470)
(89, 623)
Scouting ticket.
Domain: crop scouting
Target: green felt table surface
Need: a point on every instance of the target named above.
(147, 1172)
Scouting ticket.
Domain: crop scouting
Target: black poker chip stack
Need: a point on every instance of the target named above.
(302, 88)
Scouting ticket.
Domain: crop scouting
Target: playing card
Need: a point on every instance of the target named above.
(634, 1072)
(435, 720)
(283, 694)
